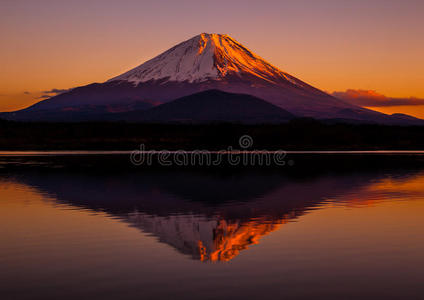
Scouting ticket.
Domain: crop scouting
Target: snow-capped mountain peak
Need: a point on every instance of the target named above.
(205, 57)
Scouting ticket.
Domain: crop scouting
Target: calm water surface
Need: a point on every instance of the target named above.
(167, 234)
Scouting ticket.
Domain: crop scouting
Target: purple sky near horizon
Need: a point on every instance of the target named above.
(333, 45)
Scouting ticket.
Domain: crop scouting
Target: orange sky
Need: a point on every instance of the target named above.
(333, 45)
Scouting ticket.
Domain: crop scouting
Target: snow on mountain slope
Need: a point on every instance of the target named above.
(205, 57)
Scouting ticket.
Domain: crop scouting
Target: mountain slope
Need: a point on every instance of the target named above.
(210, 106)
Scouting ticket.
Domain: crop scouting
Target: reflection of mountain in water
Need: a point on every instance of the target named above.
(213, 239)
(210, 217)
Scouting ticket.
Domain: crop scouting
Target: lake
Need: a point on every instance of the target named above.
(325, 227)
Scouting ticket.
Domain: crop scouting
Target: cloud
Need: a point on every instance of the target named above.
(27, 93)
(51, 93)
(373, 99)
(54, 92)
(44, 96)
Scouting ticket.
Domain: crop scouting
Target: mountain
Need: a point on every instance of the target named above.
(204, 62)
(209, 106)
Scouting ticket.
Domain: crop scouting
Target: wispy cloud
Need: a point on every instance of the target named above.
(373, 99)
(50, 93)
(55, 91)
(27, 93)
(44, 96)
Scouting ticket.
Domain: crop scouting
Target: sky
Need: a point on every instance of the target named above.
(373, 46)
